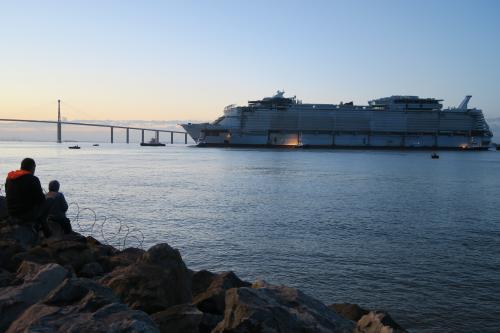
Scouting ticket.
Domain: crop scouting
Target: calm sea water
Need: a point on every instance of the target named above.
(385, 229)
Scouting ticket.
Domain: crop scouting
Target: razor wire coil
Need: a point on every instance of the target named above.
(109, 230)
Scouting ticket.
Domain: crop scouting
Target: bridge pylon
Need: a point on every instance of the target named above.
(59, 136)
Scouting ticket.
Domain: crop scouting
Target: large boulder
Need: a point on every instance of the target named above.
(21, 234)
(114, 317)
(8, 250)
(36, 254)
(70, 250)
(209, 321)
(124, 258)
(158, 280)
(37, 283)
(349, 310)
(80, 305)
(87, 293)
(27, 271)
(213, 299)
(73, 251)
(267, 308)
(91, 270)
(201, 281)
(6, 278)
(183, 318)
(378, 322)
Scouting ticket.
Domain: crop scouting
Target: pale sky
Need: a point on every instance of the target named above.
(161, 60)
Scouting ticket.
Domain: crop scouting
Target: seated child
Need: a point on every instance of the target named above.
(57, 207)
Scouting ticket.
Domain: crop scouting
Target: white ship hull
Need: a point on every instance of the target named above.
(263, 123)
(350, 141)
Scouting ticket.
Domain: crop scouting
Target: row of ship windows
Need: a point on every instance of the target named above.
(448, 133)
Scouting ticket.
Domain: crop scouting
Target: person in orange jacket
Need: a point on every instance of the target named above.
(25, 198)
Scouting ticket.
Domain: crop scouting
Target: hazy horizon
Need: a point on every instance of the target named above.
(47, 132)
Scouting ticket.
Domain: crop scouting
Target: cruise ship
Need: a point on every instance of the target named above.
(390, 122)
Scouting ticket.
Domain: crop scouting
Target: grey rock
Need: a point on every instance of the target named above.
(349, 311)
(55, 228)
(158, 280)
(6, 278)
(75, 290)
(101, 251)
(209, 322)
(201, 281)
(185, 318)
(91, 270)
(27, 270)
(124, 258)
(9, 248)
(15, 299)
(114, 317)
(21, 234)
(72, 250)
(378, 322)
(81, 305)
(213, 299)
(161, 254)
(36, 254)
(270, 309)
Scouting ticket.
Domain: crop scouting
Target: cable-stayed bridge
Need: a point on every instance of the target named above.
(112, 127)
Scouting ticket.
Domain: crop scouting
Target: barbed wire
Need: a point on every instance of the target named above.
(109, 230)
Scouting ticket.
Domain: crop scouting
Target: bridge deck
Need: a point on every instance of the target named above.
(112, 127)
(89, 124)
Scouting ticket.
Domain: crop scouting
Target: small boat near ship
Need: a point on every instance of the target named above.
(152, 143)
(434, 156)
(74, 147)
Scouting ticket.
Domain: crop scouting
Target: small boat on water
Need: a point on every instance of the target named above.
(95, 145)
(434, 156)
(498, 147)
(152, 143)
(74, 147)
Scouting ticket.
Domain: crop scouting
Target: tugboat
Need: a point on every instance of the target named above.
(152, 143)
(434, 156)
(74, 147)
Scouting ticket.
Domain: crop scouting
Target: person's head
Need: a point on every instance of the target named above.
(28, 164)
(54, 186)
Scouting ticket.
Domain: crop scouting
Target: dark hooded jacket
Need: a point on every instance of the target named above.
(24, 194)
(57, 204)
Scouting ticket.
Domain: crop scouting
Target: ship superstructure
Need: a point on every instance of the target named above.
(389, 122)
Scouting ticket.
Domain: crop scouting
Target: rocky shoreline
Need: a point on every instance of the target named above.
(73, 283)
